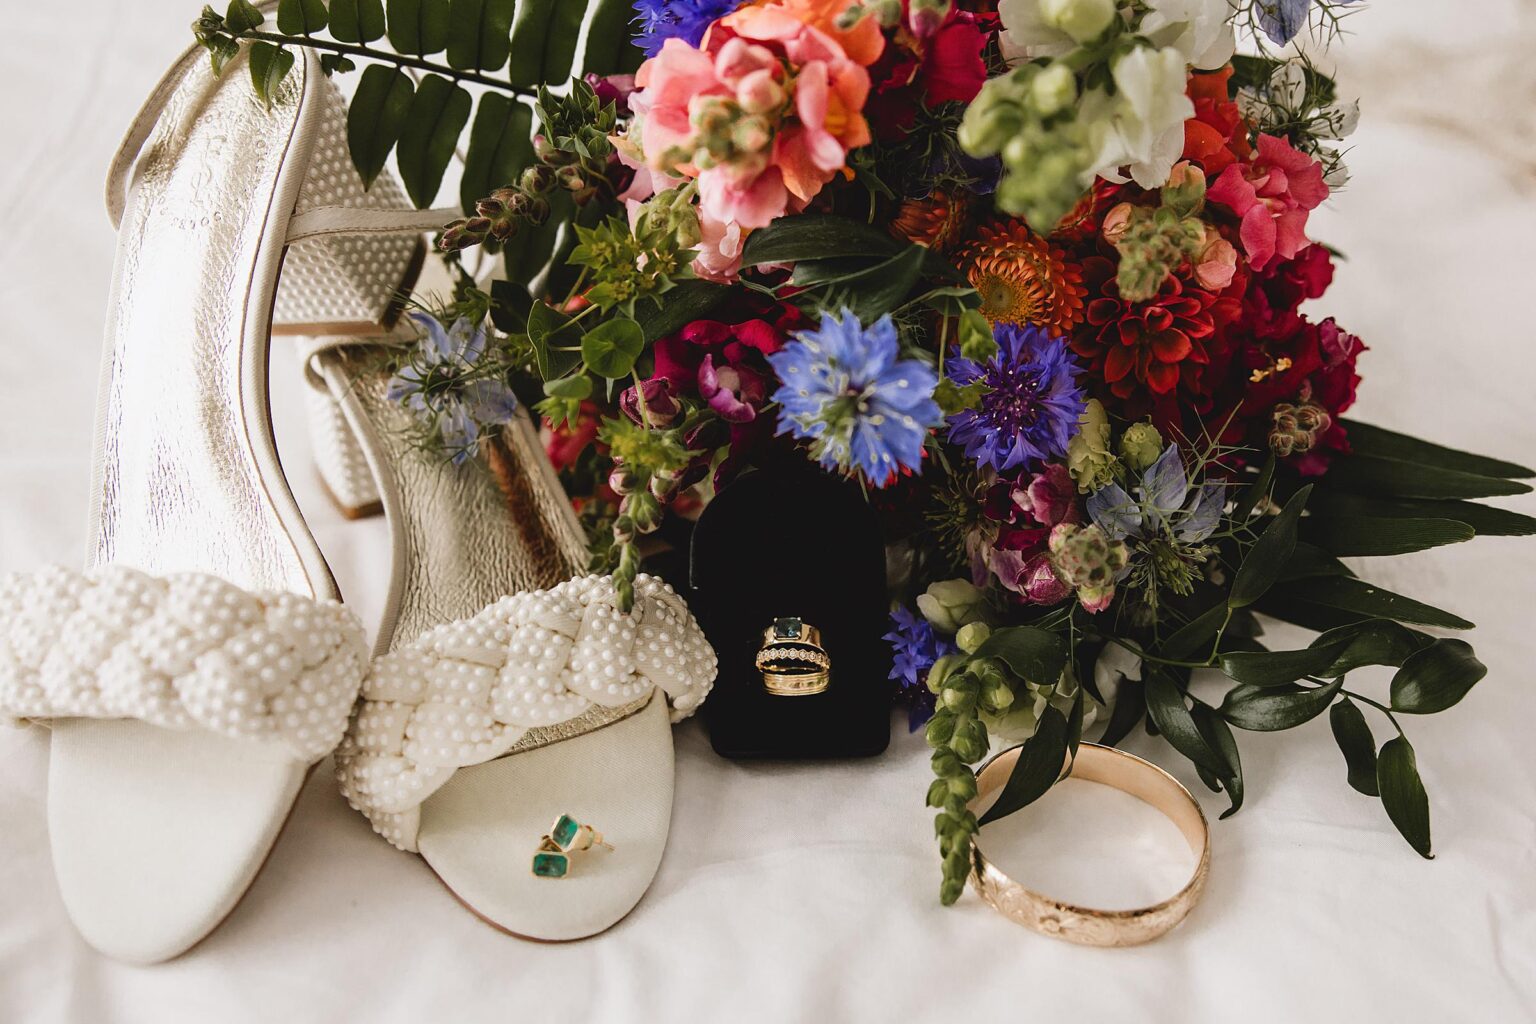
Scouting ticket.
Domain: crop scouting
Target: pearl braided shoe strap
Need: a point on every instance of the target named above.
(183, 651)
(525, 672)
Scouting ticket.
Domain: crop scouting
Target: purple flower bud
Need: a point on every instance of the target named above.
(661, 405)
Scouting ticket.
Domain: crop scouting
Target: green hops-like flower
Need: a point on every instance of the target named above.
(972, 635)
(1089, 459)
(1140, 446)
(1088, 561)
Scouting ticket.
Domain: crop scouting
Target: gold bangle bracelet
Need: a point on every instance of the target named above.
(1084, 925)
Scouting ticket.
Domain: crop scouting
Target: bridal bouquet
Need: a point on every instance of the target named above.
(1031, 271)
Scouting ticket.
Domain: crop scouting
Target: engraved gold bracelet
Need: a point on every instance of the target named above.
(1085, 925)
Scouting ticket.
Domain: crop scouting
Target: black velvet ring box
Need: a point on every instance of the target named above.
(793, 542)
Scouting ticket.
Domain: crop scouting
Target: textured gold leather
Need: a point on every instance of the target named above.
(462, 539)
(180, 485)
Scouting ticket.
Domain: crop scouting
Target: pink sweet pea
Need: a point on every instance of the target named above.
(1273, 195)
(1019, 557)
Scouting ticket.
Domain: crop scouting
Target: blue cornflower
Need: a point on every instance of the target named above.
(656, 21)
(915, 647)
(1032, 403)
(844, 390)
(454, 381)
(1282, 19)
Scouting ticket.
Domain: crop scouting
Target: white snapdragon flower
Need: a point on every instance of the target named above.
(1199, 29)
(1028, 33)
(1142, 126)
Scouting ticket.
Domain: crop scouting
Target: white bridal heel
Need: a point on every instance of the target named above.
(203, 664)
(487, 717)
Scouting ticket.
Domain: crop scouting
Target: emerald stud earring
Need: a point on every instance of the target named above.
(552, 859)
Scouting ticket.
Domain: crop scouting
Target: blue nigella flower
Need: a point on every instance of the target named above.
(656, 21)
(1282, 19)
(844, 390)
(1032, 404)
(915, 647)
(1166, 504)
(454, 381)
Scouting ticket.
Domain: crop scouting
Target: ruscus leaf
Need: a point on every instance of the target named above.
(1436, 677)
(1040, 763)
(1357, 745)
(1034, 655)
(1269, 554)
(1402, 794)
(1271, 709)
(1165, 705)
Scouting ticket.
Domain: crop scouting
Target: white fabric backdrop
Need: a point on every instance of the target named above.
(808, 892)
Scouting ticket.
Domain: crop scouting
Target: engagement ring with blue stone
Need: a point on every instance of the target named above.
(792, 660)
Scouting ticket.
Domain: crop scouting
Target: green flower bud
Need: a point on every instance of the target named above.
(969, 741)
(1089, 459)
(938, 792)
(997, 698)
(941, 671)
(958, 699)
(950, 604)
(945, 763)
(624, 530)
(941, 728)
(951, 890)
(1140, 446)
(962, 786)
(1083, 20)
(972, 635)
(1053, 89)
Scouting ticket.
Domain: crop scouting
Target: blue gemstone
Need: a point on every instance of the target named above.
(787, 628)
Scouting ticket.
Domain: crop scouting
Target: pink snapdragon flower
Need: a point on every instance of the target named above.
(763, 114)
(1272, 193)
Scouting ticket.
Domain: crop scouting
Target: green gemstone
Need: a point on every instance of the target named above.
(564, 832)
(787, 628)
(551, 865)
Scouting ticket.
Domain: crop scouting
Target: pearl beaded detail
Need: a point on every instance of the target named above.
(466, 692)
(182, 651)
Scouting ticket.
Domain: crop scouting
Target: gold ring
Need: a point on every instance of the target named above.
(791, 659)
(1084, 925)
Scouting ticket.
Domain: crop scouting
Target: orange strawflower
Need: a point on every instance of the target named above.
(935, 221)
(1023, 279)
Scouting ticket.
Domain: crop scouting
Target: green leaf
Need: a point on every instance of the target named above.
(418, 27)
(1309, 560)
(1130, 705)
(1365, 439)
(1365, 600)
(1378, 477)
(1041, 761)
(510, 306)
(576, 388)
(1271, 709)
(1486, 520)
(816, 236)
(1280, 668)
(332, 63)
(438, 114)
(374, 119)
(530, 36)
(221, 50)
(1436, 677)
(689, 300)
(1182, 644)
(545, 323)
(1034, 655)
(357, 21)
(1372, 642)
(300, 17)
(881, 288)
(1165, 704)
(1254, 73)
(611, 348)
(1220, 738)
(1269, 554)
(1255, 492)
(560, 39)
(1402, 794)
(1356, 744)
(1366, 535)
(269, 66)
(500, 146)
(478, 34)
(608, 38)
(242, 16)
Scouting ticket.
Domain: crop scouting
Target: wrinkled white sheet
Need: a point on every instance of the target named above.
(808, 892)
